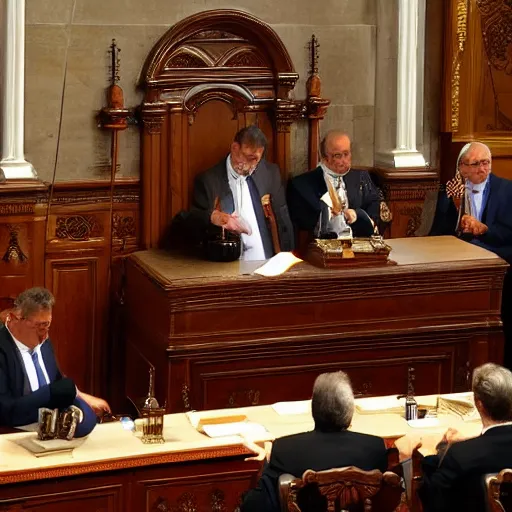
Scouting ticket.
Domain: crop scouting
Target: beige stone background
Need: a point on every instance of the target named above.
(67, 72)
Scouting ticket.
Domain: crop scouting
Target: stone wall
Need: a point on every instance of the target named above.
(67, 72)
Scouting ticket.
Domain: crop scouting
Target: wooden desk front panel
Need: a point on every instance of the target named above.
(213, 485)
(80, 494)
(264, 376)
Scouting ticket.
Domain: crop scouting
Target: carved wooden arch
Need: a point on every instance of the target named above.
(223, 69)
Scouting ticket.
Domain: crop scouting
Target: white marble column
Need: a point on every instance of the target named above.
(13, 164)
(409, 89)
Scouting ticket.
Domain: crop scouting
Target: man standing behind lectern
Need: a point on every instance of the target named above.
(229, 196)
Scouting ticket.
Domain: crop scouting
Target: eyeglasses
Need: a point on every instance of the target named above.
(340, 156)
(484, 163)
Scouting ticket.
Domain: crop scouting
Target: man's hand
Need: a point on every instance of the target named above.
(262, 453)
(453, 436)
(98, 405)
(471, 225)
(230, 222)
(350, 215)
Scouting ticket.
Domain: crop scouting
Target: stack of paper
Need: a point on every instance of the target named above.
(290, 408)
(462, 404)
(380, 404)
(214, 424)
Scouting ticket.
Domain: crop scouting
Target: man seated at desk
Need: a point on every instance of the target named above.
(452, 479)
(29, 374)
(483, 217)
(329, 445)
(229, 196)
(310, 195)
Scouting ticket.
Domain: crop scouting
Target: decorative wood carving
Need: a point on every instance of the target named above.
(244, 398)
(213, 72)
(218, 501)
(123, 227)
(477, 100)
(414, 214)
(185, 396)
(13, 252)
(187, 502)
(78, 227)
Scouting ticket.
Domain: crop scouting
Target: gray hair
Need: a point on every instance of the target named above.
(468, 147)
(492, 385)
(332, 404)
(329, 135)
(34, 300)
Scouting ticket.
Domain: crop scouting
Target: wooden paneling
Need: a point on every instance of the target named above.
(78, 285)
(477, 99)
(223, 342)
(87, 494)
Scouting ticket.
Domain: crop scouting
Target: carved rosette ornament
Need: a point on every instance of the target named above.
(217, 501)
(187, 502)
(244, 398)
(78, 227)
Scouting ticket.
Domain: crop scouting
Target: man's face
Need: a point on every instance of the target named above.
(339, 156)
(33, 330)
(244, 158)
(475, 166)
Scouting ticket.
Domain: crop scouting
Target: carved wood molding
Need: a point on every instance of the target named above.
(78, 227)
(461, 36)
(13, 253)
(81, 468)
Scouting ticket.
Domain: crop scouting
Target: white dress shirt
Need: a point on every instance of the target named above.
(252, 244)
(474, 197)
(26, 355)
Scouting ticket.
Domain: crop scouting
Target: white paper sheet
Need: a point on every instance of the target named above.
(288, 408)
(245, 428)
(278, 265)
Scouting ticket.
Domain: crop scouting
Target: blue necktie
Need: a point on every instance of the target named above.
(39, 371)
(260, 218)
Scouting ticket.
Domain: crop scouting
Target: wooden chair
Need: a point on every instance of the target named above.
(499, 491)
(341, 489)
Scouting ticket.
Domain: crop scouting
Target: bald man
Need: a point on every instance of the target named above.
(309, 199)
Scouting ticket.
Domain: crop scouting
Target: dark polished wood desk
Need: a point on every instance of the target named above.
(220, 336)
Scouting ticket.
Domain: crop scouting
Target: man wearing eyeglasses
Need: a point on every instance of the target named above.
(476, 206)
(310, 195)
(29, 375)
(229, 196)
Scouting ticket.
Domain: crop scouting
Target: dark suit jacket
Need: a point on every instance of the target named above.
(456, 484)
(496, 215)
(305, 191)
(19, 405)
(16, 406)
(313, 450)
(214, 183)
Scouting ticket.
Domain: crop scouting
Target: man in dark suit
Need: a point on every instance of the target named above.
(29, 375)
(453, 479)
(229, 196)
(309, 198)
(484, 217)
(329, 445)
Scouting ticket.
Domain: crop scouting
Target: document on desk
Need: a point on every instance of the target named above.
(380, 404)
(278, 264)
(242, 428)
(289, 408)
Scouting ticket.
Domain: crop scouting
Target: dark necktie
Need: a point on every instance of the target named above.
(39, 371)
(260, 217)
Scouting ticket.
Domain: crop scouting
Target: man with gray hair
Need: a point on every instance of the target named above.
(29, 375)
(329, 445)
(453, 478)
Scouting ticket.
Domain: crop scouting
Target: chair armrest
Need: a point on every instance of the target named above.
(284, 486)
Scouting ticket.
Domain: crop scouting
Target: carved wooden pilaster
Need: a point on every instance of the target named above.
(287, 112)
(153, 117)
